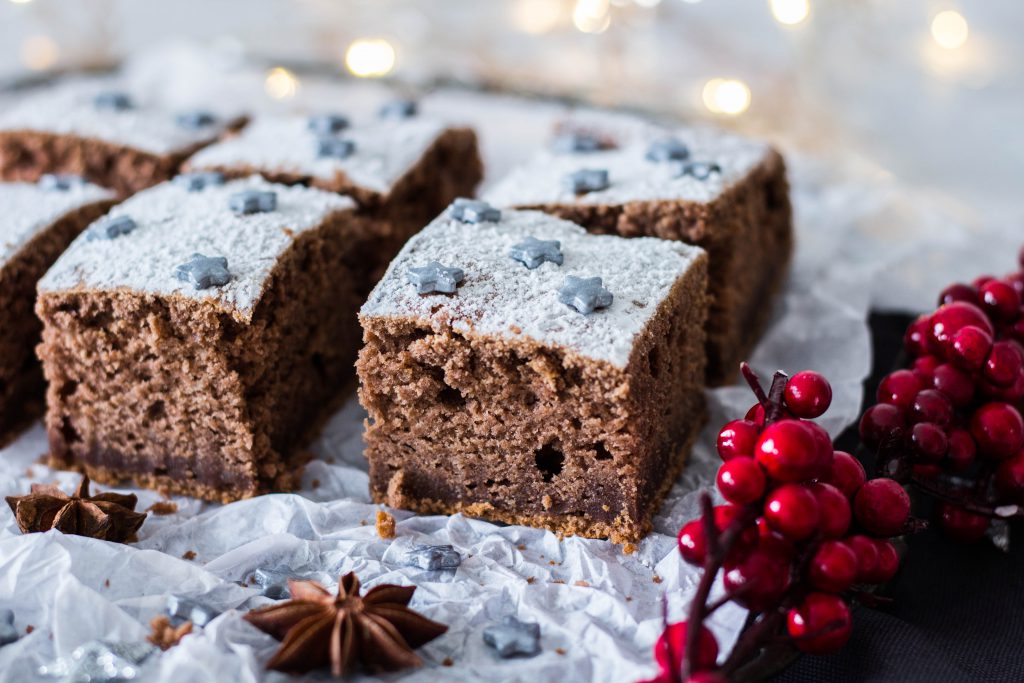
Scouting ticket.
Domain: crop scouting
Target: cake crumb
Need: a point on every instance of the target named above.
(656, 579)
(447, 661)
(30, 473)
(606, 507)
(530, 579)
(315, 484)
(521, 546)
(29, 628)
(562, 581)
(629, 598)
(552, 563)
(547, 502)
(163, 507)
(581, 583)
(165, 636)
(629, 548)
(362, 522)
(385, 524)
(189, 555)
(560, 650)
(106, 583)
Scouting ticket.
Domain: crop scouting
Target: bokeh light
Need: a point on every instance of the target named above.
(39, 52)
(790, 12)
(592, 16)
(536, 16)
(370, 57)
(949, 29)
(280, 83)
(726, 96)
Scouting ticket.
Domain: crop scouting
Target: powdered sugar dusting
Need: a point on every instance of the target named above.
(501, 297)
(28, 210)
(174, 223)
(632, 177)
(68, 109)
(384, 150)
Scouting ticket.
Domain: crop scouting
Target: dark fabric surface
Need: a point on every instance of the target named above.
(957, 611)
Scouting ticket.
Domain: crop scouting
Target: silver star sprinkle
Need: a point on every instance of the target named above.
(112, 101)
(585, 294)
(197, 181)
(473, 211)
(182, 609)
(274, 582)
(252, 201)
(334, 148)
(100, 662)
(432, 557)
(60, 182)
(667, 149)
(575, 142)
(204, 271)
(327, 124)
(701, 170)
(8, 634)
(586, 180)
(399, 109)
(532, 252)
(513, 637)
(111, 227)
(194, 120)
(435, 277)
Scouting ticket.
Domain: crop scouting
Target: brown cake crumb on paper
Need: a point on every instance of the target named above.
(189, 555)
(163, 507)
(657, 579)
(447, 661)
(164, 635)
(560, 650)
(629, 548)
(582, 584)
(385, 524)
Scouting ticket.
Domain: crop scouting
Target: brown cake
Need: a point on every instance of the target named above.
(197, 335)
(489, 392)
(121, 140)
(402, 169)
(718, 191)
(37, 222)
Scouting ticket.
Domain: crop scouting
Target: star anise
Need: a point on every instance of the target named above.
(108, 516)
(377, 630)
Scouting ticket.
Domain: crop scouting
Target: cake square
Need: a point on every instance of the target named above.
(112, 136)
(196, 336)
(401, 168)
(37, 223)
(724, 193)
(489, 392)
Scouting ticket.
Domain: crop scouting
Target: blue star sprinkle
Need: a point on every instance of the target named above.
(667, 149)
(204, 271)
(252, 201)
(399, 109)
(60, 182)
(8, 634)
(585, 294)
(474, 211)
(513, 637)
(196, 181)
(111, 227)
(576, 142)
(100, 661)
(327, 124)
(194, 120)
(181, 609)
(532, 252)
(334, 148)
(432, 557)
(112, 101)
(434, 277)
(586, 180)
(701, 170)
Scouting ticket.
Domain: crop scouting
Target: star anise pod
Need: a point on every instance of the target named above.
(377, 630)
(108, 516)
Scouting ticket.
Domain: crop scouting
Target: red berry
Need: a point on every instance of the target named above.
(956, 384)
(1016, 280)
(962, 450)
(958, 292)
(928, 442)
(949, 319)
(825, 449)
(808, 394)
(1009, 478)
(692, 544)
(756, 415)
(1000, 300)
(759, 580)
(881, 507)
(979, 281)
(886, 567)
(789, 451)
(924, 368)
(737, 438)
(881, 423)
(915, 341)
(833, 567)
(820, 624)
(847, 473)
(867, 556)
(1020, 257)
(998, 430)
(671, 647)
(741, 480)
(1011, 394)
(1003, 365)
(899, 388)
(926, 471)
(961, 525)
(833, 509)
(792, 510)
(970, 347)
(931, 406)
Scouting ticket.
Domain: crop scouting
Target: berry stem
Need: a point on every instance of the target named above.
(964, 497)
(698, 605)
(755, 384)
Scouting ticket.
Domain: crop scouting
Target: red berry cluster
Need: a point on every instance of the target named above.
(954, 413)
(801, 528)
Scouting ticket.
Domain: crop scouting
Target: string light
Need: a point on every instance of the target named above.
(726, 96)
(281, 84)
(21, 2)
(370, 57)
(691, 2)
(536, 16)
(949, 29)
(790, 12)
(592, 16)
(39, 53)
(648, 3)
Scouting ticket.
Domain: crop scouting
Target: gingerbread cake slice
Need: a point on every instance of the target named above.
(706, 187)
(115, 138)
(401, 168)
(517, 368)
(37, 222)
(197, 335)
